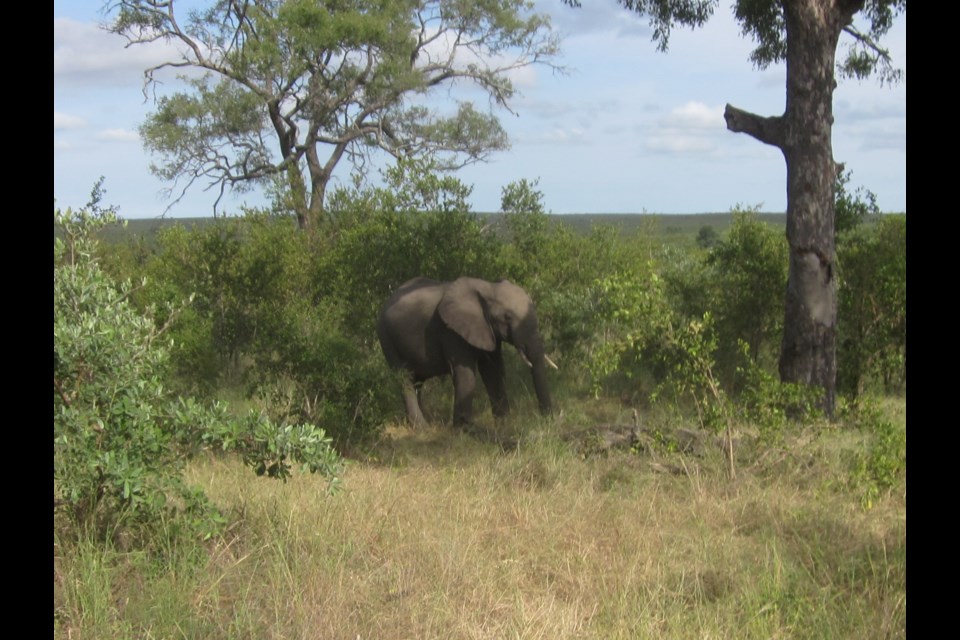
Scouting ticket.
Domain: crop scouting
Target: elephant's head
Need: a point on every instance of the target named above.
(486, 313)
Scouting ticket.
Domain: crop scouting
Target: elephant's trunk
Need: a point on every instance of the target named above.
(538, 361)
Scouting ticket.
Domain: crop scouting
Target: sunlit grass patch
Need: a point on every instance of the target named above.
(438, 534)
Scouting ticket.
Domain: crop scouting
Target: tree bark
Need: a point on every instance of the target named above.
(804, 135)
(298, 196)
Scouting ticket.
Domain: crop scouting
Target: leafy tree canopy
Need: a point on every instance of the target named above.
(290, 87)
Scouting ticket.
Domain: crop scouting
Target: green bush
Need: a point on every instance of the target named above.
(572, 277)
(121, 438)
(851, 209)
(242, 273)
(630, 310)
(770, 404)
(291, 315)
(318, 372)
(745, 279)
(872, 301)
(647, 341)
(879, 466)
(707, 237)
(560, 269)
(529, 236)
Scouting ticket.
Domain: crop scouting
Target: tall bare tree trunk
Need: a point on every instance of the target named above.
(804, 135)
(808, 352)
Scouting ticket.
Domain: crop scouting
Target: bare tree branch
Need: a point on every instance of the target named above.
(769, 130)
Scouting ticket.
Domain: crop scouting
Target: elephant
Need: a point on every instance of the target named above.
(429, 328)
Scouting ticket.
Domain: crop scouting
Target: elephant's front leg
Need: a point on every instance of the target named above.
(464, 385)
(494, 378)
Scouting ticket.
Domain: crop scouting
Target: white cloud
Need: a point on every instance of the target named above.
(884, 140)
(671, 142)
(689, 128)
(864, 110)
(773, 78)
(63, 121)
(118, 135)
(85, 54)
(565, 136)
(592, 19)
(523, 77)
(695, 115)
(546, 109)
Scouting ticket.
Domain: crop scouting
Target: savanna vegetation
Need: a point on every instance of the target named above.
(280, 93)
(805, 36)
(687, 486)
(680, 490)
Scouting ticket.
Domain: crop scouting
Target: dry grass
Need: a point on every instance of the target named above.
(448, 537)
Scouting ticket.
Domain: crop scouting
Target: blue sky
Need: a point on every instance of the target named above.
(627, 130)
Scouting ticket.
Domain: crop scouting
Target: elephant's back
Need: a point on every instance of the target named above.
(416, 297)
(406, 326)
(413, 285)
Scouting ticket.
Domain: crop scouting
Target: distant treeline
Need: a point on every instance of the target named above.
(671, 224)
(626, 223)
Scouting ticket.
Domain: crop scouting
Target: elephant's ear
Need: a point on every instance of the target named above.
(461, 309)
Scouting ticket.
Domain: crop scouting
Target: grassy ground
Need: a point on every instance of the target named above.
(438, 534)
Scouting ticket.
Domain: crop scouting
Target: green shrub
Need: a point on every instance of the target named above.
(770, 404)
(872, 301)
(879, 466)
(851, 209)
(242, 273)
(529, 235)
(707, 237)
(121, 438)
(631, 307)
(318, 372)
(745, 279)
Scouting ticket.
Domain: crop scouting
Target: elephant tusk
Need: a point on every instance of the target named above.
(530, 364)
